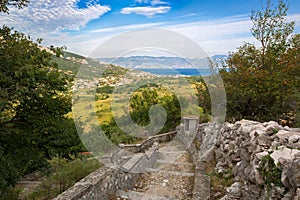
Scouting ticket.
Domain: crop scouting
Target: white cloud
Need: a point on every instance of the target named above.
(119, 29)
(147, 11)
(85, 43)
(158, 2)
(142, 1)
(296, 19)
(220, 28)
(215, 36)
(52, 16)
(218, 36)
(152, 2)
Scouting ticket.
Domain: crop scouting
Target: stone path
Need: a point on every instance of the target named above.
(171, 177)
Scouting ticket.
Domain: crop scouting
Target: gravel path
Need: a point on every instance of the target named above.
(171, 178)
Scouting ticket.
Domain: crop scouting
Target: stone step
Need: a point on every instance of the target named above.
(131, 165)
(175, 173)
(160, 161)
(171, 152)
(170, 156)
(133, 195)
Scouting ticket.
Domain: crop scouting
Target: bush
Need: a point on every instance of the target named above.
(269, 171)
(63, 174)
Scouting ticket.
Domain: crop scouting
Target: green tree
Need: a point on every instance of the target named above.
(115, 134)
(261, 81)
(172, 107)
(34, 100)
(142, 101)
(140, 104)
(5, 4)
(271, 30)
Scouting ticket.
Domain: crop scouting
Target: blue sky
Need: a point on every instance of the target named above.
(218, 26)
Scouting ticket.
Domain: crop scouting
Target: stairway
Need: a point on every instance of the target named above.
(170, 178)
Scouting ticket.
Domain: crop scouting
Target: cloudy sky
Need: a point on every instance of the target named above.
(218, 26)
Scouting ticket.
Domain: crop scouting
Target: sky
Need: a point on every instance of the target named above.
(217, 26)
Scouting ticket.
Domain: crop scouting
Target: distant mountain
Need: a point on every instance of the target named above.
(71, 63)
(219, 57)
(160, 62)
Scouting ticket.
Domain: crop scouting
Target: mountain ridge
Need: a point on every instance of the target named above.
(163, 61)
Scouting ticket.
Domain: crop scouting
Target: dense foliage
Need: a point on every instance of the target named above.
(34, 100)
(140, 104)
(262, 83)
(146, 97)
(62, 175)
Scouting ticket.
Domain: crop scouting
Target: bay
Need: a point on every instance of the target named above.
(177, 71)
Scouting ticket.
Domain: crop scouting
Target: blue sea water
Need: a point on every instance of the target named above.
(177, 71)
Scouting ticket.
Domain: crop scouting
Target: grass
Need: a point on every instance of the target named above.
(219, 182)
(98, 111)
(63, 174)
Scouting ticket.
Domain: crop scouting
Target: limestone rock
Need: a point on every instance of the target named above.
(240, 148)
(260, 155)
(297, 196)
(284, 152)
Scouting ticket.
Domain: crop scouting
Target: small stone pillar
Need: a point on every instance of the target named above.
(190, 123)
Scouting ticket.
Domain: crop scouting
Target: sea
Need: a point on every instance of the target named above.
(177, 71)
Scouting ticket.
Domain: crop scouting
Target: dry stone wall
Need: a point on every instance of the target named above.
(101, 184)
(126, 165)
(262, 158)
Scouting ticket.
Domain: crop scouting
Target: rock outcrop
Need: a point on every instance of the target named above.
(263, 159)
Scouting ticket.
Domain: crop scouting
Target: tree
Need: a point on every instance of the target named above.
(271, 29)
(5, 4)
(34, 100)
(140, 104)
(142, 101)
(261, 81)
(172, 107)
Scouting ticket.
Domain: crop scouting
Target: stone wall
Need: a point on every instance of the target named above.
(137, 148)
(100, 184)
(196, 143)
(104, 182)
(263, 159)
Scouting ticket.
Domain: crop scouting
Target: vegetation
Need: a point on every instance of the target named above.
(66, 65)
(5, 4)
(142, 101)
(204, 100)
(62, 175)
(270, 172)
(114, 71)
(219, 181)
(34, 100)
(140, 104)
(117, 135)
(262, 83)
